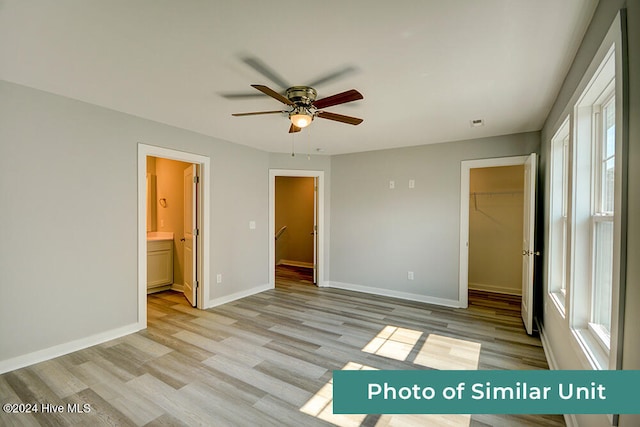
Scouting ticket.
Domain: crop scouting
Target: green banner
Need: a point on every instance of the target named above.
(486, 392)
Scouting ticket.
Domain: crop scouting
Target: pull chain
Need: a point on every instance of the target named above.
(309, 141)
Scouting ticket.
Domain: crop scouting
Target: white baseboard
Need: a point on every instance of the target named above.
(237, 295)
(158, 289)
(291, 263)
(546, 347)
(569, 419)
(66, 348)
(494, 288)
(395, 294)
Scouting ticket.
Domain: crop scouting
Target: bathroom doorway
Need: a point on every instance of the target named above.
(176, 213)
(171, 206)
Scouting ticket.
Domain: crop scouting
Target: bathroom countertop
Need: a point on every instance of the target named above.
(159, 235)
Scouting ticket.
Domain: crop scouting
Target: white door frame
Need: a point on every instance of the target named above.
(465, 171)
(144, 151)
(273, 173)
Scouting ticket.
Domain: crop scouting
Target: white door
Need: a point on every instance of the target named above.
(191, 232)
(528, 250)
(315, 230)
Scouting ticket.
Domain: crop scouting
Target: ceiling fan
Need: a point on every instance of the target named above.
(303, 107)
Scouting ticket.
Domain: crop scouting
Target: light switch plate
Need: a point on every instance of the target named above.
(252, 225)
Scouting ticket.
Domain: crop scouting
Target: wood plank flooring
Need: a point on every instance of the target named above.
(267, 360)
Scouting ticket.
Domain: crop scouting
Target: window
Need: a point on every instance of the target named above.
(564, 206)
(602, 221)
(592, 199)
(559, 224)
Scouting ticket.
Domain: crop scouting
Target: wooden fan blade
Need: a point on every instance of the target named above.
(339, 118)
(340, 98)
(294, 128)
(255, 113)
(272, 93)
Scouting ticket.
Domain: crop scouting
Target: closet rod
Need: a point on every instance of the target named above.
(494, 193)
(475, 195)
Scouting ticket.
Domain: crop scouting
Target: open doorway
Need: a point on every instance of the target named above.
(172, 202)
(497, 219)
(495, 229)
(296, 221)
(173, 225)
(295, 228)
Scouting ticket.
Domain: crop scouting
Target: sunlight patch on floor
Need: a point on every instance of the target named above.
(321, 404)
(393, 342)
(439, 352)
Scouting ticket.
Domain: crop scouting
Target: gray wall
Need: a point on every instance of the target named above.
(379, 234)
(557, 331)
(68, 209)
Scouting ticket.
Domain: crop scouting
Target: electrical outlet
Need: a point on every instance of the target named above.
(392, 185)
(410, 275)
(412, 183)
(252, 225)
(218, 278)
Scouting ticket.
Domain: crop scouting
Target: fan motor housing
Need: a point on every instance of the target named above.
(301, 95)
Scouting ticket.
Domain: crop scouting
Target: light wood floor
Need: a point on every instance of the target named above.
(267, 360)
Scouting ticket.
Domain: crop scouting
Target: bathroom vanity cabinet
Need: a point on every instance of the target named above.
(159, 264)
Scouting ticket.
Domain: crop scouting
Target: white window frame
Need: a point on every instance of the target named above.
(592, 91)
(599, 213)
(559, 216)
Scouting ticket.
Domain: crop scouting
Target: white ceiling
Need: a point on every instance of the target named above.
(425, 68)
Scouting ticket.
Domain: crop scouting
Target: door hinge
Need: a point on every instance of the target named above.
(196, 284)
(196, 179)
(196, 232)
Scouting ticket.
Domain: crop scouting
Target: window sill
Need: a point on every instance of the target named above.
(597, 357)
(558, 300)
(601, 336)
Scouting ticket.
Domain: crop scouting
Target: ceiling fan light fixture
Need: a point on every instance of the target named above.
(304, 107)
(300, 118)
